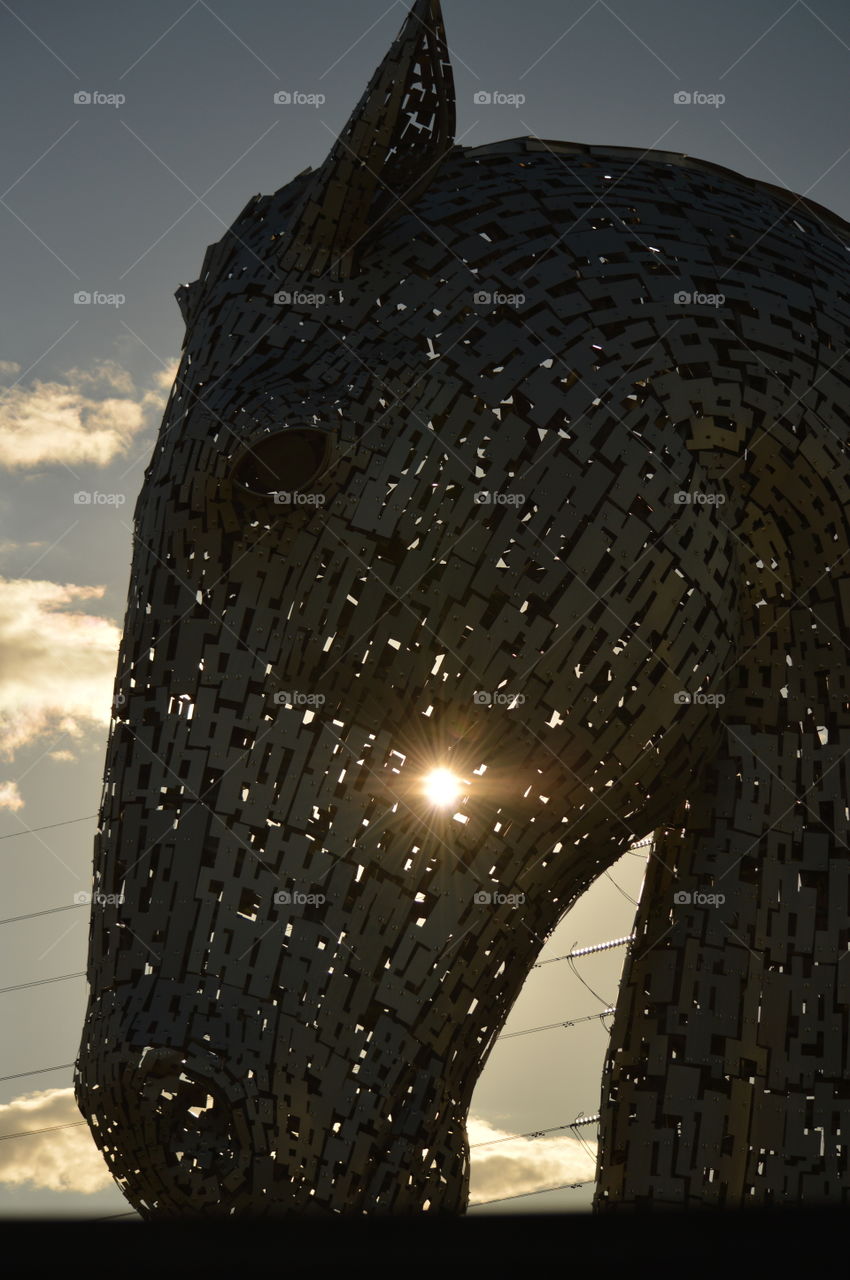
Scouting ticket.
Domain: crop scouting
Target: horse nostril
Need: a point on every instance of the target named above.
(287, 461)
(193, 1119)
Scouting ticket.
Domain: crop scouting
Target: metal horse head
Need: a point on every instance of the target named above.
(504, 462)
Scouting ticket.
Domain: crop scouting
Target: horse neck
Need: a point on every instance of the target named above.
(726, 1079)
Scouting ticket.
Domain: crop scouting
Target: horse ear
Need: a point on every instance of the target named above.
(386, 156)
(187, 296)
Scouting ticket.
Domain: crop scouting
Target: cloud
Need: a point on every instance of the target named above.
(67, 1159)
(8, 368)
(10, 796)
(103, 373)
(64, 1160)
(8, 546)
(91, 416)
(57, 665)
(165, 378)
(525, 1164)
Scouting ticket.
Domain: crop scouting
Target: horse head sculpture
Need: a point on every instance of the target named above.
(522, 468)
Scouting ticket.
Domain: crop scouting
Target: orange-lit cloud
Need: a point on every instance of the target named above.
(67, 1159)
(57, 664)
(92, 416)
(64, 1160)
(511, 1168)
(10, 797)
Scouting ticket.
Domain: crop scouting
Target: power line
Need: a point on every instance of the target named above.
(563, 1186)
(39, 982)
(617, 942)
(587, 951)
(537, 1133)
(39, 1071)
(572, 955)
(67, 1066)
(71, 906)
(48, 911)
(514, 1137)
(550, 1026)
(30, 1133)
(510, 1035)
(29, 831)
(620, 889)
(73, 1124)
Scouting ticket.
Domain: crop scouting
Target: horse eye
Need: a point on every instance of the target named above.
(285, 462)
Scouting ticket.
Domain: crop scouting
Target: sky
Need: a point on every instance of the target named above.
(132, 136)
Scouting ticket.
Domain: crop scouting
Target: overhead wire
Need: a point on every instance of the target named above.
(537, 1133)
(563, 1186)
(29, 831)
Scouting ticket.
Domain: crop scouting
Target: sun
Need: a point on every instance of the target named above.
(442, 788)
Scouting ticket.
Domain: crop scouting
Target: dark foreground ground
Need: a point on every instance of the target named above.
(798, 1243)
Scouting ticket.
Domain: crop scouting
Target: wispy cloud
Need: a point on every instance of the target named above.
(91, 416)
(57, 665)
(64, 1160)
(8, 546)
(526, 1164)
